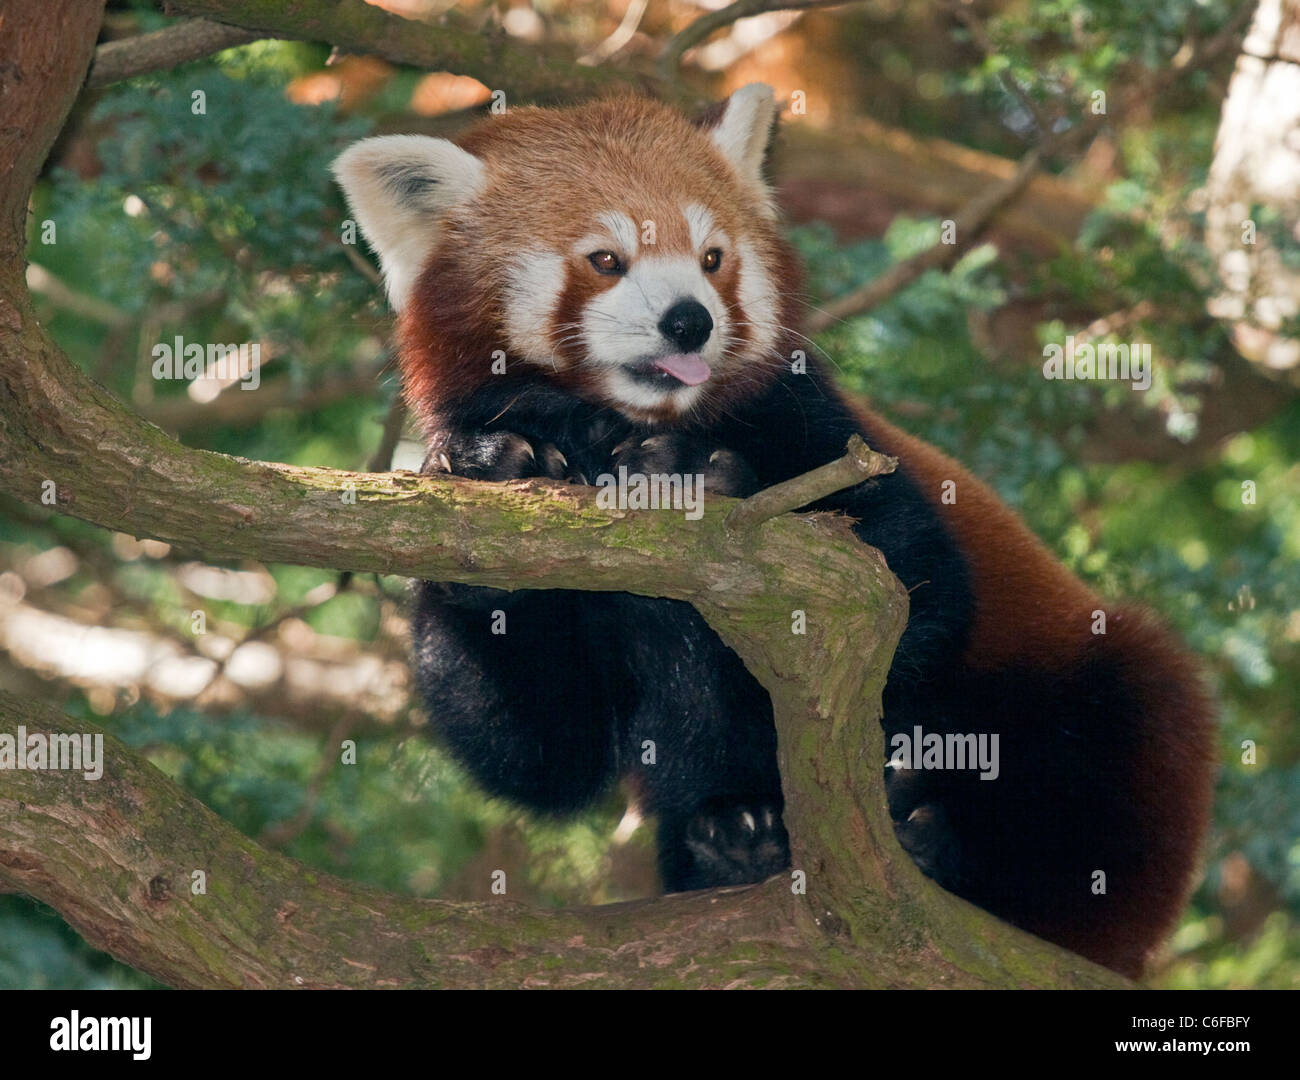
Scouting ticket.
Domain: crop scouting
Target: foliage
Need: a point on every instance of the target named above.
(204, 226)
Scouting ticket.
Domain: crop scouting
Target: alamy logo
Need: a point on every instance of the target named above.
(77, 1032)
(953, 750)
(655, 491)
(1083, 360)
(226, 363)
(38, 751)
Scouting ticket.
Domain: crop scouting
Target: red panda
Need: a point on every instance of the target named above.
(606, 286)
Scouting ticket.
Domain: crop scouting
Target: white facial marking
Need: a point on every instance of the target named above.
(758, 301)
(622, 228)
(700, 223)
(533, 284)
(620, 327)
(618, 233)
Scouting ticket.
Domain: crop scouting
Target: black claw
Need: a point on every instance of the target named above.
(725, 472)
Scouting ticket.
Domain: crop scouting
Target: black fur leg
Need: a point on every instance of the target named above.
(725, 472)
(530, 712)
(725, 841)
(525, 688)
(701, 746)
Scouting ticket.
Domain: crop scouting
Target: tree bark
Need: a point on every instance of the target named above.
(116, 856)
(163, 50)
(536, 73)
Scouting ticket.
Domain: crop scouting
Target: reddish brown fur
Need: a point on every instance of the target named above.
(1172, 786)
(628, 154)
(1030, 612)
(1029, 608)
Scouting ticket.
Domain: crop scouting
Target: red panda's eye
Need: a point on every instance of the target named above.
(712, 260)
(606, 262)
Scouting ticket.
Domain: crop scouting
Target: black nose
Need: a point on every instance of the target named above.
(687, 325)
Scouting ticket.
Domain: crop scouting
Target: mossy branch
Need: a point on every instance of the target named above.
(451, 42)
(859, 463)
(162, 50)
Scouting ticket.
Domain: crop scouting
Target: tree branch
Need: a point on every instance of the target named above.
(622, 34)
(858, 464)
(529, 72)
(970, 220)
(163, 49)
(234, 407)
(962, 11)
(868, 161)
(117, 857)
(707, 24)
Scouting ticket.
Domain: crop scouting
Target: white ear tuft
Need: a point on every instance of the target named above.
(399, 187)
(743, 132)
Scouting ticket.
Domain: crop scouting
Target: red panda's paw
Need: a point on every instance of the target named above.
(733, 842)
(498, 455)
(926, 835)
(724, 471)
(922, 825)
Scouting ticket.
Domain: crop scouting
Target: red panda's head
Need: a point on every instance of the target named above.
(616, 247)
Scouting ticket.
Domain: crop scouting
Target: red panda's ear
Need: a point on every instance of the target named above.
(399, 188)
(743, 130)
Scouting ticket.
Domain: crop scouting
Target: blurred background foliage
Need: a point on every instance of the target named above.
(225, 226)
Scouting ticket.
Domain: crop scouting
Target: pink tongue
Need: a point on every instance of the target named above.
(686, 367)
